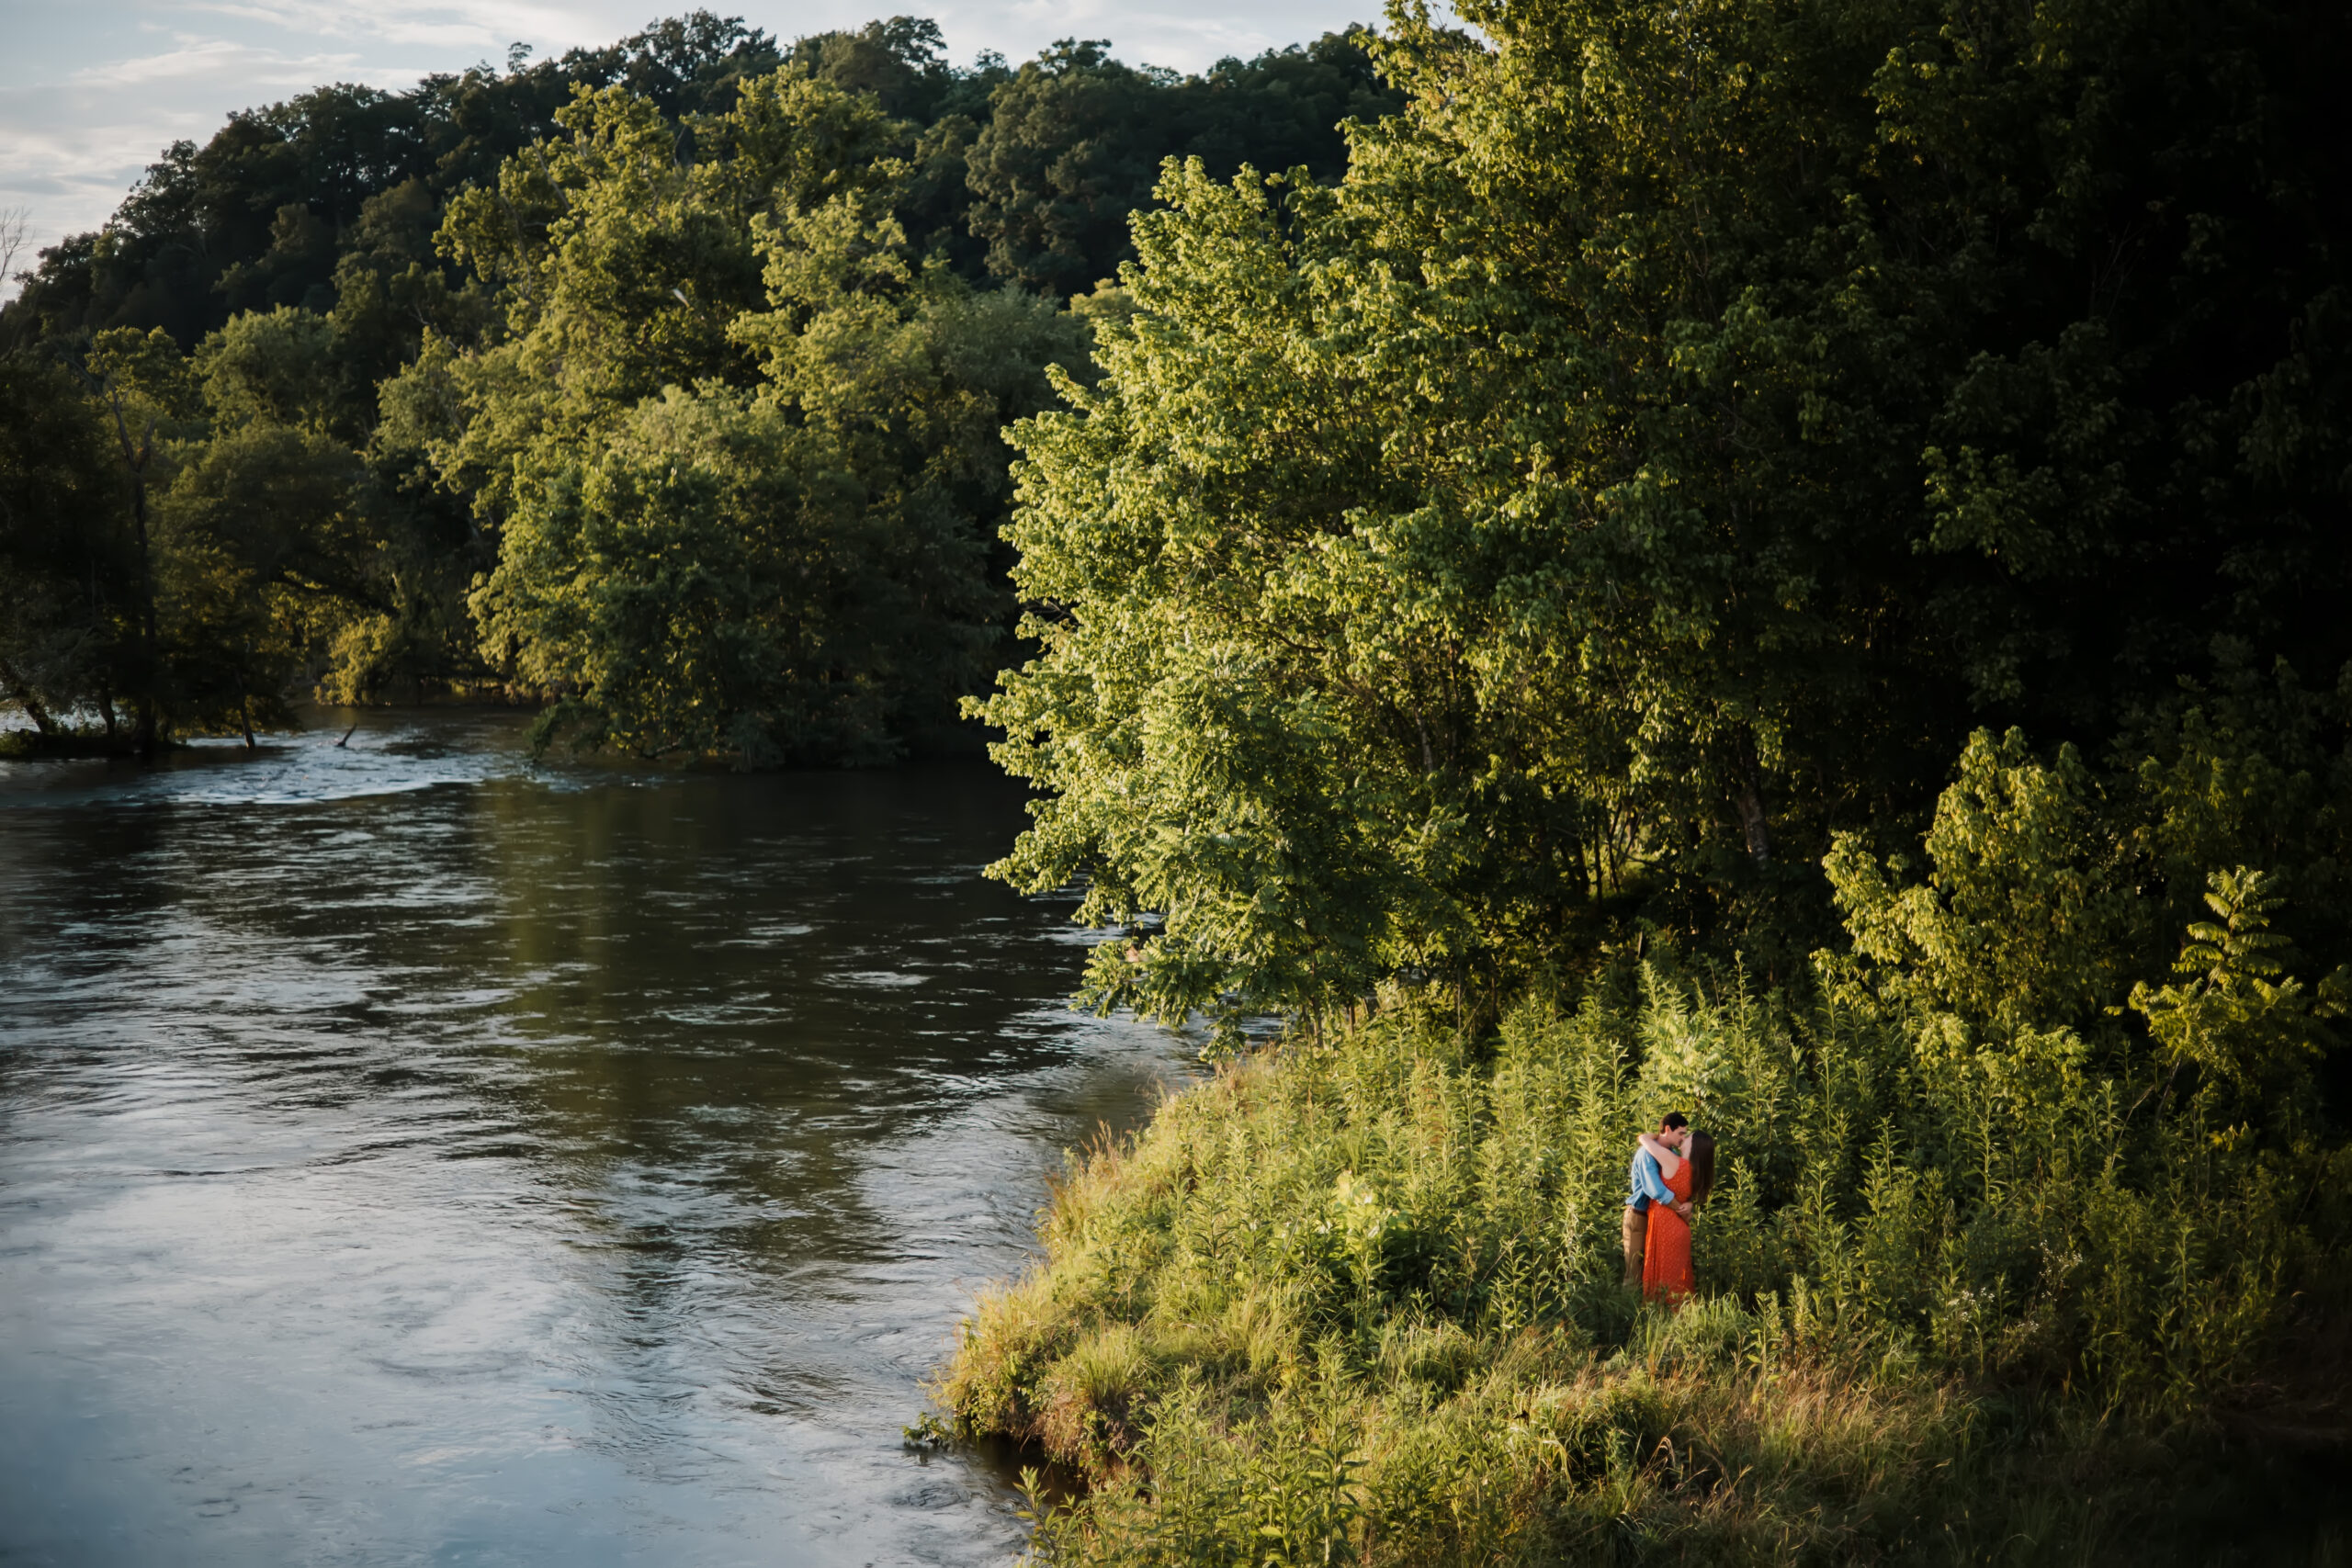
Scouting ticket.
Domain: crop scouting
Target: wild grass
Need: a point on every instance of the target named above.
(1360, 1303)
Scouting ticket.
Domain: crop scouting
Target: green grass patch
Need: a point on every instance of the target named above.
(1361, 1302)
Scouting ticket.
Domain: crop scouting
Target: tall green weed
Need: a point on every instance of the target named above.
(1360, 1302)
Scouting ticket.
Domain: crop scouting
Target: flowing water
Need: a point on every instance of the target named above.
(411, 1154)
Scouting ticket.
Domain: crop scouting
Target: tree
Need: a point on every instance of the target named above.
(69, 617)
(1070, 149)
(16, 229)
(740, 445)
(144, 390)
(403, 306)
(1677, 433)
(262, 214)
(1073, 145)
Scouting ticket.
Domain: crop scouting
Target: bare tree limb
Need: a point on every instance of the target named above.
(16, 234)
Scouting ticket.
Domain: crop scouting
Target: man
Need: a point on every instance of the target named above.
(1648, 1187)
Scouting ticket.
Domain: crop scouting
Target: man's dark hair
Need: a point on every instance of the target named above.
(1673, 1121)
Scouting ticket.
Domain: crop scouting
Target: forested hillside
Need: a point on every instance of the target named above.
(332, 382)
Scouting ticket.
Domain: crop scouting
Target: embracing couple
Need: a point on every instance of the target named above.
(1674, 1169)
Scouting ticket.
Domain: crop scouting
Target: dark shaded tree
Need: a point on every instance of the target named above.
(1074, 143)
(69, 614)
(262, 214)
(1679, 433)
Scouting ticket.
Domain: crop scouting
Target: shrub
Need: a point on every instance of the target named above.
(1360, 1301)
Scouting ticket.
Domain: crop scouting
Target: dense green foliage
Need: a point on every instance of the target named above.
(1773, 561)
(68, 557)
(182, 535)
(1367, 1300)
(1074, 144)
(1677, 433)
(1361, 1306)
(663, 382)
(306, 202)
(738, 439)
(336, 195)
(2037, 1252)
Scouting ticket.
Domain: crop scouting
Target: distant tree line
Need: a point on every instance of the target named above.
(300, 413)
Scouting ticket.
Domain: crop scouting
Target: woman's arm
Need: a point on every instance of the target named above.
(1669, 1162)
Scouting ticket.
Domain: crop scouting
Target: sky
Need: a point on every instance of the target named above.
(91, 91)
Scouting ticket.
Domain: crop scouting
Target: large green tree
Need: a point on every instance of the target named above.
(1074, 142)
(739, 440)
(265, 212)
(69, 614)
(391, 300)
(186, 536)
(1679, 430)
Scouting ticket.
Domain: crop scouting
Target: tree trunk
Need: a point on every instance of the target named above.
(244, 696)
(135, 457)
(17, 687)
(1748, 801)
(145, 739)
(1752, 825)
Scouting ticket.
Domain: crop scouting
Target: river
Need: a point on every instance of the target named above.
(411, 1152)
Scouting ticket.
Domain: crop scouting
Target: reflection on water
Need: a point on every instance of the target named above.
(411, 1155)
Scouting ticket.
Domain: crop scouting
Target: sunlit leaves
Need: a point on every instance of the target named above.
(742, 447)
(2234, 1010)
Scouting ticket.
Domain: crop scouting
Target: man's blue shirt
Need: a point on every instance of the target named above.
(1646, 1187)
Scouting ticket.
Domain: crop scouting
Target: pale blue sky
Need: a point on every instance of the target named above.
(92, 90)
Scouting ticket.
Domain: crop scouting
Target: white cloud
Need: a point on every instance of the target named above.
(214, 60)
(488, 26)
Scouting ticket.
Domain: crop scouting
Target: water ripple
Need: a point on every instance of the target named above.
(413, 1152)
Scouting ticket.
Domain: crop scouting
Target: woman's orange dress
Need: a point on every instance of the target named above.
(1666, 1267)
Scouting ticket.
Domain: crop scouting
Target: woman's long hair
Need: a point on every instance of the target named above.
(1702, 1166)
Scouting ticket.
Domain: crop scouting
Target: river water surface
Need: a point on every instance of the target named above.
(413, 1154)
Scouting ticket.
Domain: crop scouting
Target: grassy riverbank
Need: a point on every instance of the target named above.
(1358, 1303)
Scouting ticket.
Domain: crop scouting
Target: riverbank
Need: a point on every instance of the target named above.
(38, 745)
(1360, 1304)
(960, 741)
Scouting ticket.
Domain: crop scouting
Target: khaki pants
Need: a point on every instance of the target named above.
(1637, 1244)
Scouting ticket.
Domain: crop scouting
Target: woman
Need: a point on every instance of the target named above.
(1666, 1267)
